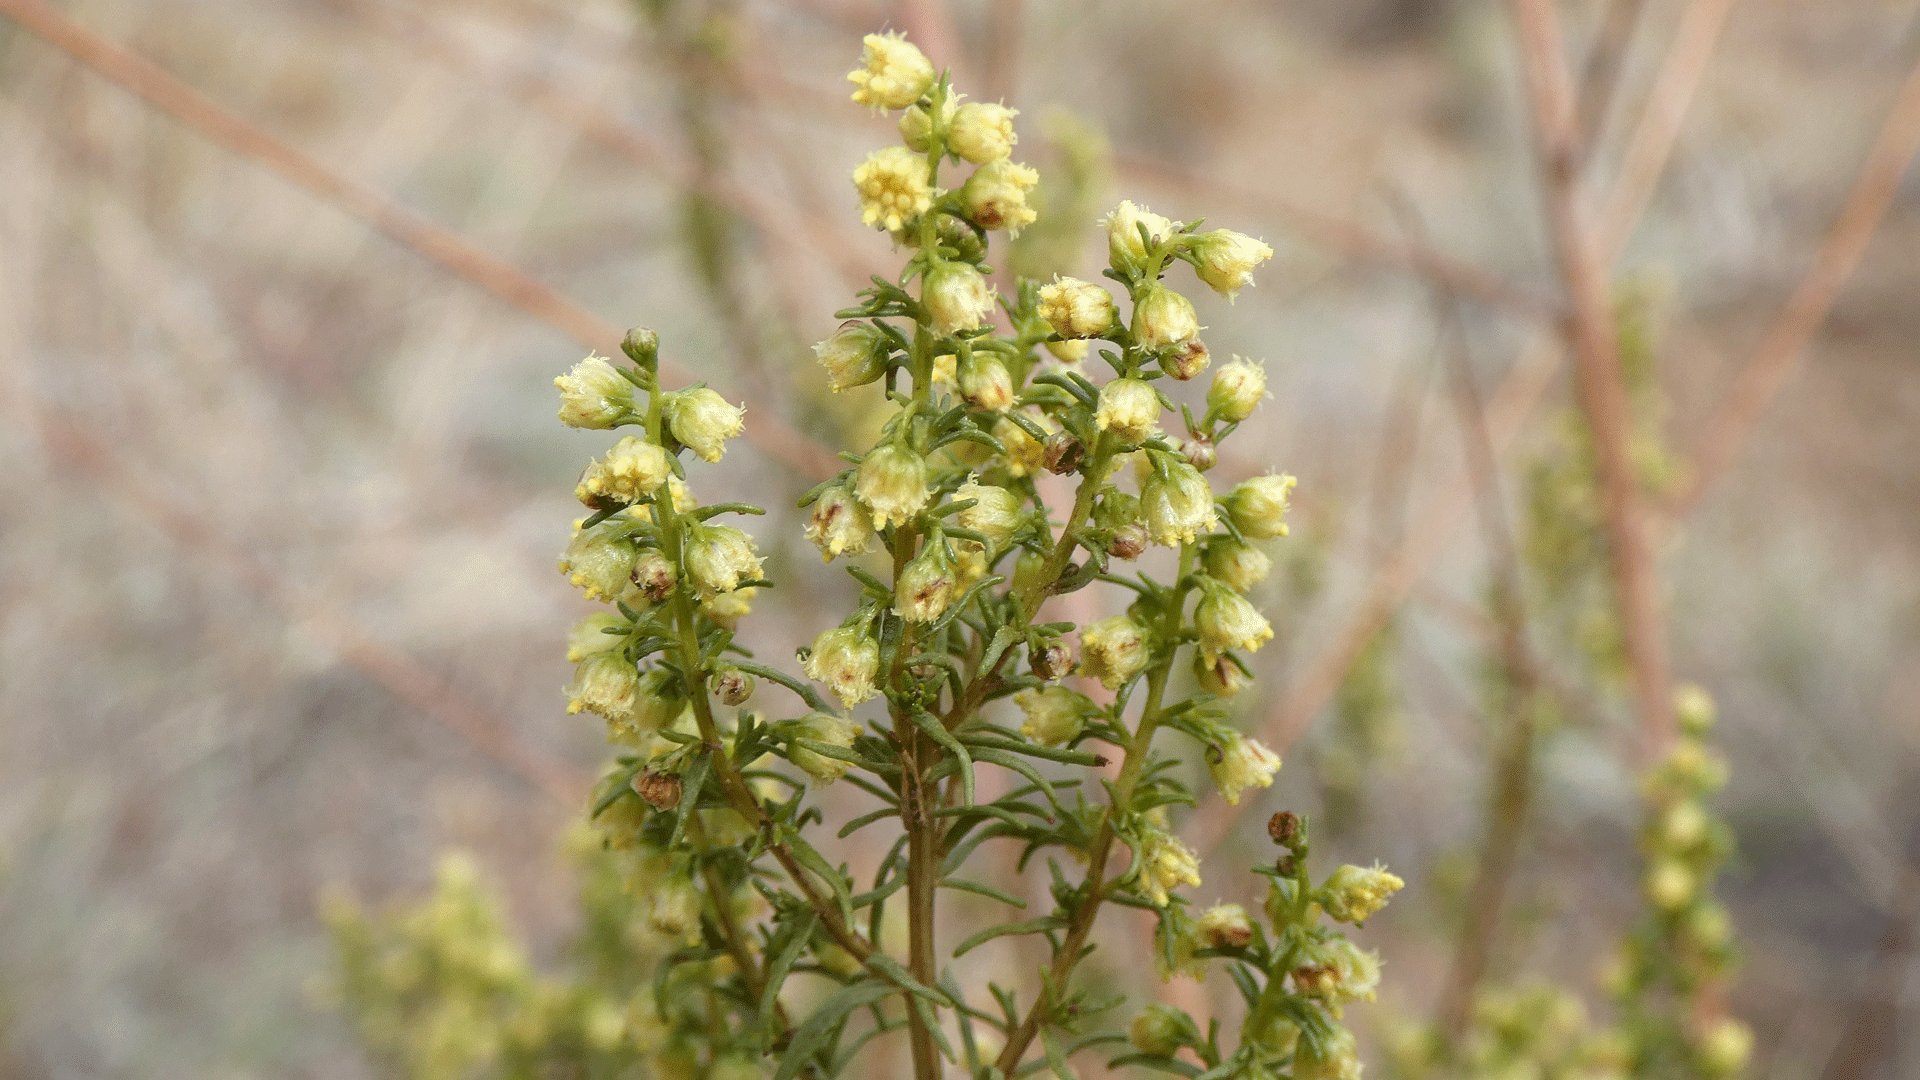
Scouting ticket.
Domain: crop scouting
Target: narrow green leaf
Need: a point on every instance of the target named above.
(983, 890)
(1031, 926)
(819, 1028)
(694, 779)
(930, 726)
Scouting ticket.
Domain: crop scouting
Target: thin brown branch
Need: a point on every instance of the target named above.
(1600, 75)
(72, 446)
(1601, 385)
(1846, 241)
(1355, 241)
(439, 245)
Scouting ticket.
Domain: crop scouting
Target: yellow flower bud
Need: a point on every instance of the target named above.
(1353, 894)
(985, 382)
(590, 635)
(893, 72)
(720, 557)
(995, 196)
(1177, 503)
(1226, 621)
(594, 394)
(1113, 650)
(1160, 1030)
(1726, 1048)
(847, 660)
(892, 481)
(855, 355)
(1055, 714)
(1129, 408)
(1243, 763)
(1068, 352)
(996, 512)
(1166, 863)
(1227, 259)
(599, 561)
(1236, 391)
(1163, 319)
(822, 728)
(916, 124)
(1025, 454)
(956, 297)
(1683, 825)
(632, 469)
(604, 684)
(839, 525)
(703, 421)
(1124, 248)
(1076, 309)
(1694, 709)
(927, 585)
(1236, 565)
(1224, 926)
(1259, 506)
(982, 132)
(1669, 884)
(893, 189)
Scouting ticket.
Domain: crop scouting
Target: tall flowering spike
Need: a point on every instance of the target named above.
(1259, 506)
(957, 297)
(1113, 651)
(892, 481)
(848, 661)
(600, 562)
(893, 72)
(703, 421)
(828, 729)
(594, 394)
(839, 525)
(632, 469)
(893, 189)
(982, 132)
(995, 196)
(1124, 247)
(1227, 260)
(854, 356)
(1076, 309)
(1129, 408)
(1243, 763)
(719, 558)
(1236, 391)
(1226, 621)
(1177, 502)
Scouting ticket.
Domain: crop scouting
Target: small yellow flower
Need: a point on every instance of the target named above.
(719, 558)
(893, 189)
(848, 661)
(982, 132)
(599, 561)
(1224, 926)
(1163, 319)
(590, 635)
(1025, 454)
(1178, 505)
(1113, 651)
(986, 383)
(1226, 621)
(839, 525)
(1243, 763)
(594, 394)
(634, 468)
(893, 72)
(1259, 506)
(1076, 309)
(828, 729)
(1236, 565)
(927, 585)
(1227, 260)
(995, 196)
(605, 684)
(892, 481)
(996, 512)
(1055, 714)
(1129, 408)
(956, 296)
(853, 356)
(1124, 247)
(1236, 391)
(1166, 863)
(703, 421)
(1353, 894)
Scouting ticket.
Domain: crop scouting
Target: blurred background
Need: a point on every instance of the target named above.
(283, 485)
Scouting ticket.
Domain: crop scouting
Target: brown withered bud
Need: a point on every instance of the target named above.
(1317, 979)
(1286, 866)
(660, 790)
(654, 576)
(1199, 452)
(1052, 662)
(1283, 826)
(1128, 541)
(732, 686)
(1063, 453)
(1185, 361)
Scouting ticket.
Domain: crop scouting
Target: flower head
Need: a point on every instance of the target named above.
(1129, 408)
(916, 124)
(719, 558)
(996, 512)
(1218, 674)
(597, 633)
(985, 382)
(1224, 926)
(1160, 1030)
(1124, 247)
(893, 72)
(855, 355)
(928, 584)
(1113, 651)
(600, 561)
(982, 132)
(1176, 502)
(956, 296)
(605, 684)
(1075, 308)
(995, 196)
(847, 660)
(1259, 506)
(1243, 763)
(1025, 454)
(892, 481)
(1163, 319)
(1068, 352)
(1237, 389)
(1236, 565)
(893, 189)
(594, 394)
(822, 728)
(633, 469)
(1352, 894)
(1165, 863)
(1227, 259)
(839, 525)
(1226, 621)
(1055, 714)
(703, 421)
